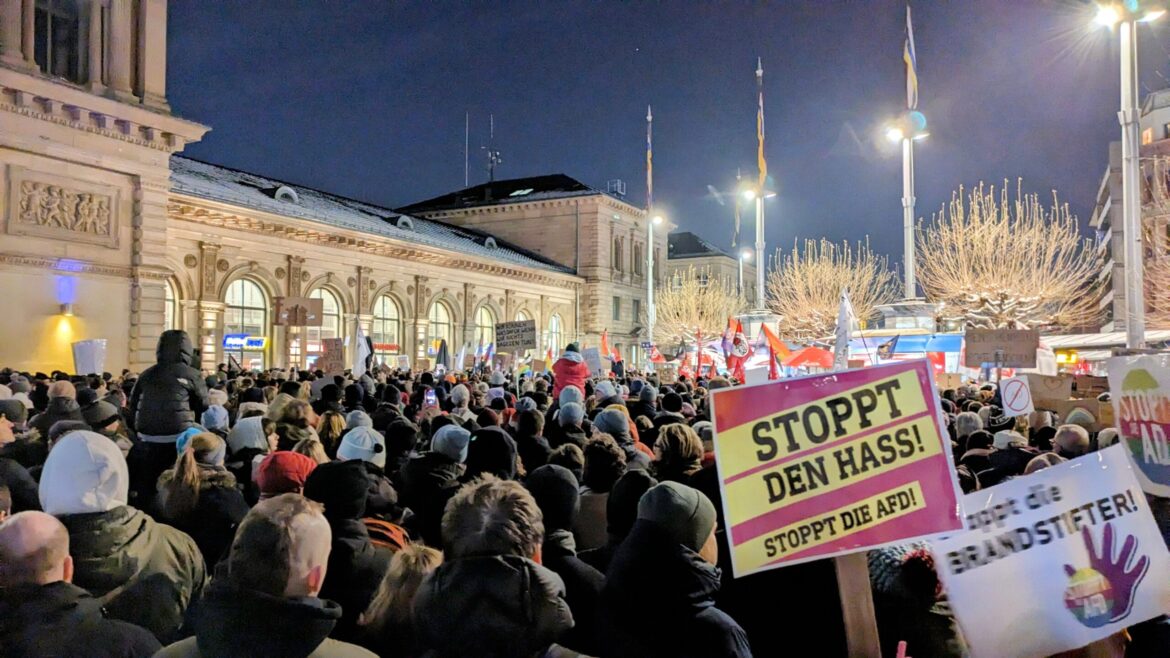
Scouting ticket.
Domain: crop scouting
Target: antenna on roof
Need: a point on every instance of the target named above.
(494, 158)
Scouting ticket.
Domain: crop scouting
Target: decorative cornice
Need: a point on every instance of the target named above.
(74, 266)
(190, 211)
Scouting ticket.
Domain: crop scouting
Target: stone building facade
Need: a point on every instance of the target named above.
(688, 250)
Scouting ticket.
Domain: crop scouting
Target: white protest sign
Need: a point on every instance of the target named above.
(1055, 560)
(592, 356)
(755, 376)
(1140, 389)
(1009, 348)
(516, 336)
(1016, 396)
(89, 356)
(403, 362)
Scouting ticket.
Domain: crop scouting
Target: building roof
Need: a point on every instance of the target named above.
(225, 185)
(515, 190)
(684, 244)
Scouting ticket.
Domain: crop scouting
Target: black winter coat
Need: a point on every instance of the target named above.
(212, 524)
(655, 583)
(642, 408)
(62, 620)
(21, 486)
(534, 451)
(354, 572)
(583, 585)
(428, 482)
(171, 395)
(58, 409)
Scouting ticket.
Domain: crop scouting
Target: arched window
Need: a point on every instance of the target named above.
(617, 254)
(639, 260)
(439, 327)
(330, 324)
(554, 334)
(522, 315)
(387, 329)
(171, 307)
(246, 314)
(485, 326)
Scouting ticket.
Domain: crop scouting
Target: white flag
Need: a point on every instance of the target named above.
(845, 321)
(361, 353)
(458, 365)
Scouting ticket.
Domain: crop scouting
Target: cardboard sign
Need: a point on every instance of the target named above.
(298, 312)
(539, 365)
(1049, 387)
(947, 380)
(422, 365)
(516, 336)
(332, 357)
(825, 465)
(667, 373)
(1009, 348)
(1089, 386)
(404, 362)
(1055, 560)
(592, 356)
(1140, 389)
(501, 361)
(1016, 396)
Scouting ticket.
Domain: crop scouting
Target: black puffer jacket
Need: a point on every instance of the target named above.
(63, 620)
(170, 395)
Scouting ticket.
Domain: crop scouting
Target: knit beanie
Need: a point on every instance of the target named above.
(100, 414)
(683, 513)
(342, 487)
(358, 418)
(672, 402)
(1005, 439)
(284, 472)
(185, 437)
(491, 450)
(85, 473)
(498, 378)
(648, 394)
(215, 418)
(452, 441)
(570, 394)
(217, 397)
(86, 397)
(570, 414)
(604, 391)
(613, 422)
(621, 507)
(363, 443)
(636, 387)
(63, 427)
(14, 410)
(63, 389)
(525, 404)
(557, 495)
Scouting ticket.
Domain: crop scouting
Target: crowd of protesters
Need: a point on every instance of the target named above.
(290, 513)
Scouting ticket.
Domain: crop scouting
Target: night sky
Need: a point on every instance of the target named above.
(367, 99)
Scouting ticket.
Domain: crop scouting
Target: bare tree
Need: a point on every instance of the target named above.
(1156, 241)
(997, 262)
(804, 288)
(695, 303)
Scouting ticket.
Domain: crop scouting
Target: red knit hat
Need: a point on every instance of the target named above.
(284, 472)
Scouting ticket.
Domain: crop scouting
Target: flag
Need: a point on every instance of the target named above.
(655, 355)
(761, 162)
(845, 322)
(649, 160)
(362, 353)
(911, 60)
(605, 345)
(776, 346)
(741, 351)
(548, 356)
(490, 352)
(886, 349)
(728, 334)
(479, 351)
(461, 358)
(681, 351)
(443, 356)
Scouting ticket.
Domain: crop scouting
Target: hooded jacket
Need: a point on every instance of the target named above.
(171, 395)
(657, 583)
(237, 623)
(63, 620)
(491, 607)
(58, 409)
(569, 370)
(429, 480)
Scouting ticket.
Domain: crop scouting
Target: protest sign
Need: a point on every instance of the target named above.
(332, 359)
(404, 362)
(539, 365)
(501, 361)
(89, 356)
(1140, 389)
(1016, 396)
(592, 357)
(1009, 348)
(947, 380)
(1046, 388)
(825, 465)
(516, 336)
(753, 376)
(422, 365)
(1055, 560)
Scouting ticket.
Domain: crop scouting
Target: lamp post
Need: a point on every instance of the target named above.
(1126, 16)
(650, 311)
(744, 255)
(911, 128)
(752, 194)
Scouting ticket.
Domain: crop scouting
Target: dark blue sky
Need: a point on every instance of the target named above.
(367, 99)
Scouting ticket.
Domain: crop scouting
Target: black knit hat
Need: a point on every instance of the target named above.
(557, 494)
(342, 487)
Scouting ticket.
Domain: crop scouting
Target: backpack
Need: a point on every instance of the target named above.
(386, 534)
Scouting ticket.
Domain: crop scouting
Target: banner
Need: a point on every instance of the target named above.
(831, 464)
(1008, 348)
(516, 336)
(1055, 560)
(1140, 389)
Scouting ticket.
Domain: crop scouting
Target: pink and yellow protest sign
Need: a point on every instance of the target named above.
(831, 464)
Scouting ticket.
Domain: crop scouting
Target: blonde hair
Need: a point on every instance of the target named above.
(391, 605)
(180, 493)
(678, 452)
(313, 449)
(330, 428)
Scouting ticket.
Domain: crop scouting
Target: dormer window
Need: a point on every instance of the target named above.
(286, 194)
(522, 192)
(490, 242)
(405, 223)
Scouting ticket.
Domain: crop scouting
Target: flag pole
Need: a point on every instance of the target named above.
(651, 312)
(763, 166)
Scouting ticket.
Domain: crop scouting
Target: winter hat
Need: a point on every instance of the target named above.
(248, 407)
(363, 443)
(495, 394)
(570, 414)
(20, 385)
(342, 487)
(570, 394)
(63, 389)
(85, 473)
(1081, 416)
(498, 378)
(1005, 439)
(604, 391)
(491, 450)
(185, 437)
(525, 404)
(248, 433)
(283, 472)
(358, 418)
(685, 514)
(215, 418)
(100, 414)
(573, 347)
(636, 387)
(557, 495)
(460, 396)
(14, 410)
(217, 397)
(648, 394)
(672, 402)
(452, 441)
(613, 422)
(86, 397)
(621, 508)
(254, 394)
(63, 427)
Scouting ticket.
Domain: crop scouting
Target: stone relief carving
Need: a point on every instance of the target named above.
(190, 261)
(58, 207)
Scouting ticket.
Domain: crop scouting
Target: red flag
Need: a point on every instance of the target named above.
(548, 356)
(605, 344)
(741, 351)
(655, 355)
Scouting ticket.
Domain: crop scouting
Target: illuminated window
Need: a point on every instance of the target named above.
(439, 326)
(387, 329)
(171, 307)
(330, 324)
(554, 334)
(485, 326)
(522, 315)
(1147, 135)
(246, 312)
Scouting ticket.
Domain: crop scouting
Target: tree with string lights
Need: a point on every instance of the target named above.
(695, 303)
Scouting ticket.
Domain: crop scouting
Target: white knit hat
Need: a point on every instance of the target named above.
(85, 473)
(363, 443)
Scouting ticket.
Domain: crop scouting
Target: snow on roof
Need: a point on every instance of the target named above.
(216, 183)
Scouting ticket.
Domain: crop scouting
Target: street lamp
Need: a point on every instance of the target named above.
(1126, 16)
(907, 130)
(656, 220)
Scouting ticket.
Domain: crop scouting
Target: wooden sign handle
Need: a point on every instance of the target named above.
(861, 633)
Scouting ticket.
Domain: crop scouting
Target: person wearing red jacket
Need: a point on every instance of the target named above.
(570, 370)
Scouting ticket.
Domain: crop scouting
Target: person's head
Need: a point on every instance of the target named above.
(557, 494)
(358, 418)
(678, 452)
(15, 412)
(460, 396)
(648, 394)
(489, 516)
(363, 444)
(604, 391)
(1005, 439)
(487, 418)
(570, 394)
(571, 415)
(295, 413)
(85, 473)
(672, 402)
(1107, 437)
(391, 605)
(1082, 418)
(529, 423)
(614, 423)
(1071, 441)
(342, 487)
(62, 388)
(966, 423)
(283, 472)
(215, 418)
(451, 441)
(313, 449)
(493, 451)
(281, 548)
(330, 427)
(980, 440)
(525, 404)
(605, 462)
(1043, 461)
(684, 515)
(202, 451)
(34, 550)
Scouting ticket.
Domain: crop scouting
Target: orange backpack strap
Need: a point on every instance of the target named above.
(386, 534)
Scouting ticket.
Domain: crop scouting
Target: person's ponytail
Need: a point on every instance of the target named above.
(182, 490)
